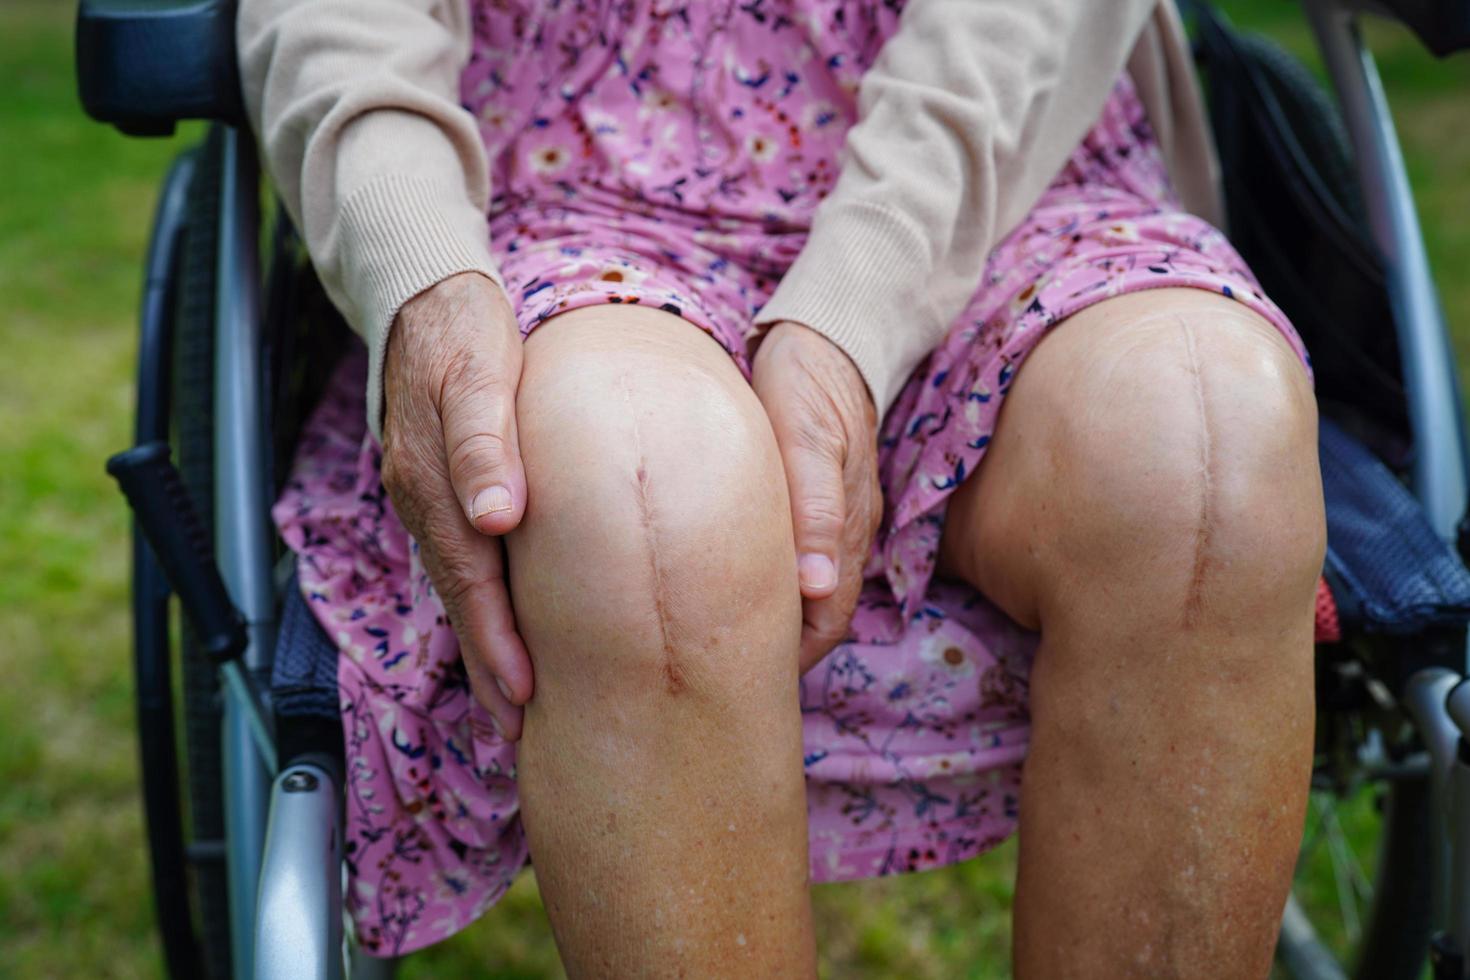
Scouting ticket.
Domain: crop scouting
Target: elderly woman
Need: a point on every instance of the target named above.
(762, 387)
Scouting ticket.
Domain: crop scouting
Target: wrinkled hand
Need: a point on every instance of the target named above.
(826, 427)
(451, 464)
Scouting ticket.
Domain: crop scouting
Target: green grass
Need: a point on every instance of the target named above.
(75, 201)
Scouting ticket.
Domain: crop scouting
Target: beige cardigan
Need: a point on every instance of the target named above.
(970, 110)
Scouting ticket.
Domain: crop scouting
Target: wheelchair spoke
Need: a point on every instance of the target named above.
(1348, 877)
(1359, 778)
(1352, 887)
(1362, 883)
(1321, 802)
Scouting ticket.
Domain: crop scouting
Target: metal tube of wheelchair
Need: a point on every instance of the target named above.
(249, 698)
(243, 535)
(1457, 706)
(298, 917)
(1424, 700)
(1439, 467)
(1459, 931)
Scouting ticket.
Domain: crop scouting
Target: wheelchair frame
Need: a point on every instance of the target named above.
(1436, 698)
(283, 846)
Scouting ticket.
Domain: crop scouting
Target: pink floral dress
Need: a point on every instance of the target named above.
(672, 154)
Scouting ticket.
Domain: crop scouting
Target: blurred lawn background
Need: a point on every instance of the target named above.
(75, 203)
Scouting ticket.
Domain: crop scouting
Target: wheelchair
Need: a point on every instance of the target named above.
(245, 829)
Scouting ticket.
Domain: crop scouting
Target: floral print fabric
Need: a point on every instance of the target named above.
(672, 155)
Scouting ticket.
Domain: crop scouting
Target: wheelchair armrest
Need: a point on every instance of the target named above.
(143, 65)
(1443, 25)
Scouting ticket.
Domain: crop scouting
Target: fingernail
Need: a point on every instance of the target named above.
(816, 572)
(503, 689)
(491, 500)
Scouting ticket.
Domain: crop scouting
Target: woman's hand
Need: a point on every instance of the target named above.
(452, 465)
(827, 430)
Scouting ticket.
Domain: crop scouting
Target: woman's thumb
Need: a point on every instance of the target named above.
(479, 418)
(817, 509)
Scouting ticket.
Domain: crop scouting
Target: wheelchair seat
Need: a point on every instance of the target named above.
(303, 683)
(1388, 571)
(304, 674)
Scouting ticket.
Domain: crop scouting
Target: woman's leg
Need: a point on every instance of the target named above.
(1152, 504)
(654, 581)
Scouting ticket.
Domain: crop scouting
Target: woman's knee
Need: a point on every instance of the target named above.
(655, 559)
(1174, 446)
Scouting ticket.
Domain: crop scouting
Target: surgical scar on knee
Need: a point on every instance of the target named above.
(673, 671)
(1195, 589)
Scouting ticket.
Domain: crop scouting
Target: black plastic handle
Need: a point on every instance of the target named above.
(166, 517)
(144, 65)
(1443, 25)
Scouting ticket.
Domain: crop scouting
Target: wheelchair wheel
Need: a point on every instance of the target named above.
(1360, 900)
(192, 409)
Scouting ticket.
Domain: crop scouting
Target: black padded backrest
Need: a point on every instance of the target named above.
(1293, 207)
(143, 65)
(1443, 25)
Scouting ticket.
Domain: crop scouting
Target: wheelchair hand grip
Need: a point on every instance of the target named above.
(172, 528)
